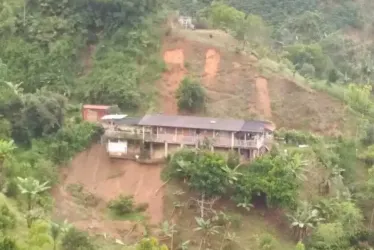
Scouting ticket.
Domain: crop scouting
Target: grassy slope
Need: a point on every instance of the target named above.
(295, 105)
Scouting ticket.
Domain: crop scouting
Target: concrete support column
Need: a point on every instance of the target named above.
(212, 148)
(151, 150)
(143, 133)
(255, 153)
(232, 140)
(166, 149)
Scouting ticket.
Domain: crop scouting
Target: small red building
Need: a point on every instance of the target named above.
(93, 113)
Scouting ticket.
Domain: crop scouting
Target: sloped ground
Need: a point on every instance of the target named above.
(106, 178)
(235, 88)
(294, 107)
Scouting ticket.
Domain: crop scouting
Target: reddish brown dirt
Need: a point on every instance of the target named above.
(87, 59)
(174, 60)
(263, 97)
(212, 60)
(106, 179)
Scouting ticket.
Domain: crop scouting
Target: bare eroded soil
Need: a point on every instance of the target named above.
(171, 79)
(106, 178)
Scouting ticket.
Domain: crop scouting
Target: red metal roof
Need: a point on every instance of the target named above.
(91, 106)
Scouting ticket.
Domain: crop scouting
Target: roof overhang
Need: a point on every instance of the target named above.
(113, 117)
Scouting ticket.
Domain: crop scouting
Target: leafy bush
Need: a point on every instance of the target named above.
(297, 137)
(150, 244)
(328, 236)
(270, 176)
(266, 242)
(76, 240)
(233, 159)
(122, 205)
(308, 70)
(190, 95)
(71, 140)
(204, 170)
(368, 155)
(207, 173)
(359, 98)
(368, 138)
(7, 218)
(7, 243)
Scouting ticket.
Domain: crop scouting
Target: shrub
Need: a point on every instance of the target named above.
(266, 242)
(150, 244)
(190, 95)
(76, 240)
(308, 70)
(233, 159)
(203, 169)
(297, 137)
(122, 205)
(7, 243)
(7, 218)
(368, 155)
(368, 139)
(10, 188)
(333, 75)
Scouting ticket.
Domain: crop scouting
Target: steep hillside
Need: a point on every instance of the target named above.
(236, 88)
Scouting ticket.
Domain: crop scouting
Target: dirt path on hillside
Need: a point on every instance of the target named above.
(171, 79)
(106, 179)
(88, 59)
(263, 97)
(212, 60)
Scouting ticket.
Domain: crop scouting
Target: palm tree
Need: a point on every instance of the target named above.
(304, 218)
(168, 229)
(232, 174)
(207, 227)
(246, 204)
(31, 188)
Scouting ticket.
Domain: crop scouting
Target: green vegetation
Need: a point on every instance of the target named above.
(56, 55)
(190, 95)
(314, 186)
(125, 205)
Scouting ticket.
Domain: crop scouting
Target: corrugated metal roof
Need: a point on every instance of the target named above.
(201, 123)
(113, 117)
(254, 126)
(129, 120)
(92, 106)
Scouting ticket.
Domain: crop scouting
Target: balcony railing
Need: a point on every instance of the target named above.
(216, 142)
(187, 139)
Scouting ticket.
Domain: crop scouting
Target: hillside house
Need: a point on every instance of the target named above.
(93, 113)
(249, 138)
(186, 22)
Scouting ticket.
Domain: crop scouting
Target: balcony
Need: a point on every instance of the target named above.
(191, 140)
(216, 142)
